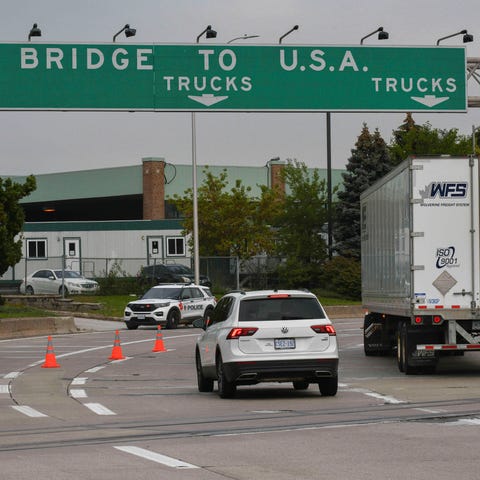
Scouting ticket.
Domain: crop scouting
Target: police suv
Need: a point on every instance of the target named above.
(170, 305)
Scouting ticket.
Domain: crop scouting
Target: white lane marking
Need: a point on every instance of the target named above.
(464, 421)
(99, 409)
(386, 398)
(4, 389)
(429, 410)
(12, 375)
(29, 411)
(78, 393)
(79, 381)
(95, 369)
(156, 457)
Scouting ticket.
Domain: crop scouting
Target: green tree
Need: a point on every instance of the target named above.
(369, 161)
(230, 222)
(301, 224)
(413, 139)
(12, 218)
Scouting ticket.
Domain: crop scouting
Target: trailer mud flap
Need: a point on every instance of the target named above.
(375, 336)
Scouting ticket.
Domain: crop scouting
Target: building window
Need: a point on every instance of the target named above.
(175, 247)
(36, 248)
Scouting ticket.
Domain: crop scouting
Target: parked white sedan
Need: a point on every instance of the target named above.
(51, 281)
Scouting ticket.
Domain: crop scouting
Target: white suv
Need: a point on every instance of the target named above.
(267, 336)
(170, 305)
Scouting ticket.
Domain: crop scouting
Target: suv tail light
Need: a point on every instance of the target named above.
(329, 329)
(241, 332)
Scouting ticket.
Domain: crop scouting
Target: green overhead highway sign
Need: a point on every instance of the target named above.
(203, 77)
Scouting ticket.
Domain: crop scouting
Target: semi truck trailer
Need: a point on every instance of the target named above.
(420, 262)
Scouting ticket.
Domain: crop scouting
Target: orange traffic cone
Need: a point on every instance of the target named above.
(50, 360)
(117, 349)
(159, 346)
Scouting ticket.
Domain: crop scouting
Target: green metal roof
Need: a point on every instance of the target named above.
(122, 181)
(102, 182)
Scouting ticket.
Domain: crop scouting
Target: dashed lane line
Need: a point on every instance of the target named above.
(99, 409)
(156, 457)
(28, 411)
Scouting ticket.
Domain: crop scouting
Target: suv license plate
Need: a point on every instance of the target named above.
(284, 343)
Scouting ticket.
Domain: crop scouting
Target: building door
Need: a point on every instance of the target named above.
(155, 250)
(71, 252)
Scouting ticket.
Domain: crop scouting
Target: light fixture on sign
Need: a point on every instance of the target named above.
(34, 32)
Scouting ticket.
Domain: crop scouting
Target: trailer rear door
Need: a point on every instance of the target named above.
(445, 232)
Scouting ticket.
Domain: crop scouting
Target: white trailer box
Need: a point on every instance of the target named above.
(420, 260)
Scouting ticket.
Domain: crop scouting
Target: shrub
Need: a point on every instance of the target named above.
(294, 274)
(117, 281)
(343, 275)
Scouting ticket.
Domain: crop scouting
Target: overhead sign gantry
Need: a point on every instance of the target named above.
(253, 78)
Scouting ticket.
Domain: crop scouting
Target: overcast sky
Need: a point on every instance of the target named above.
(44, 142)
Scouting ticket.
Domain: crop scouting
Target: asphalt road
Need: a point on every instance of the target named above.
(142, 417)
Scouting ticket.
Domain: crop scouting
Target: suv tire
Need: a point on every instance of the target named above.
(328, 386)
(204, 384)
(173, 318)
(226, 389)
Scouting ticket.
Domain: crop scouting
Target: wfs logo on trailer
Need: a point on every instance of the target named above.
(445, 190)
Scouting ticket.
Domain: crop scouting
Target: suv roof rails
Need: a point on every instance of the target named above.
(242, 292)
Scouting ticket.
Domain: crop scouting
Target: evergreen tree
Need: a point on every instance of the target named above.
(370, 161)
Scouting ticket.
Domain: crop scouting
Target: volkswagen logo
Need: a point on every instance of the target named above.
(284, 329)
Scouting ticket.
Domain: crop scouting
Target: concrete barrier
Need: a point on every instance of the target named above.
(33, 326)
(51, 302)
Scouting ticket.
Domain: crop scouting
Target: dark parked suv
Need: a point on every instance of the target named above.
(170, 273)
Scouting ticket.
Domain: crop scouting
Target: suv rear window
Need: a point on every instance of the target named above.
(292, 308)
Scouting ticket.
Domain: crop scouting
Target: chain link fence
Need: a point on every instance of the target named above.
(225, 273)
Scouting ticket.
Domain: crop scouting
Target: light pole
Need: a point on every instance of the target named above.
(34, 32)
(466, 37)
(474, 140)
(245, 37)
(129, 32)
(196, 256)
(288, 33)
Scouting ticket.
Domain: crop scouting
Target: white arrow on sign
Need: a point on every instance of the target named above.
(207, 99)
(430, 100)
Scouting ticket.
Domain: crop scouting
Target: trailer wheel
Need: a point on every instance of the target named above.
(405, 352)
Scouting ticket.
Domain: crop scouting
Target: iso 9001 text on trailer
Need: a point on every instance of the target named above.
(421, 263)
